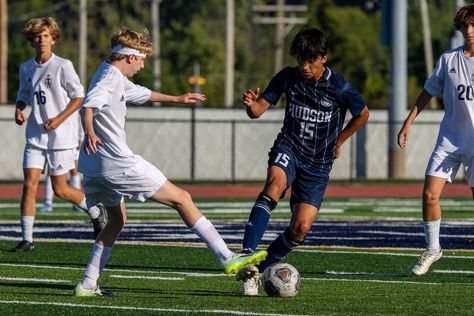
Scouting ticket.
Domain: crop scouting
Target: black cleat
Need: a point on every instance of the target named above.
(24, 246)
(99, 222)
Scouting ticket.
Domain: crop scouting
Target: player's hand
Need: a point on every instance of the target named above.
(403, 138)
(52, 123)
(191, 98)
(92, 141)
(19, 117)
(250, 96)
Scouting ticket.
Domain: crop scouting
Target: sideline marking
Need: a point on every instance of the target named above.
(34, 280)
(149, 309)
(453, 271)
(377, 281)
(120, 276)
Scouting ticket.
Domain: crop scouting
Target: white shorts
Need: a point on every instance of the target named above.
(59, 161)
(137, 183)
(445, 165)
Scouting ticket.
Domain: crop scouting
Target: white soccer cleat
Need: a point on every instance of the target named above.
(79, 291)
(426, 260)
(46, 208)
(250, 287)
(246, 273)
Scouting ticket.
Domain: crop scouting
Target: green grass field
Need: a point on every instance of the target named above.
(182, 279)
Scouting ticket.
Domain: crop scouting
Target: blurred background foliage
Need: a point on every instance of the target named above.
(194, 31)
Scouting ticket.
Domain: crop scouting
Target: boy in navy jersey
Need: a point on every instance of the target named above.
(303, 153)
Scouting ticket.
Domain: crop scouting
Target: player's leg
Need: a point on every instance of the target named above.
(280, 175)
(442, 167)
(75, 181)
(60, 162)
(293, 236)
(101, 250)
(28, 209)
(177, 198)
(48, 195)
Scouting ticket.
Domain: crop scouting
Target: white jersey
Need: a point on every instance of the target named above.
(48, 89)
(454, 77)
(108, 93)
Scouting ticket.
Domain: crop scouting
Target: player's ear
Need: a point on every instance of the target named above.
(324, 59)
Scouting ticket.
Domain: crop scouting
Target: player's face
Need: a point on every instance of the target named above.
(312, 70)
(43, 42)
(136, 64)
(468, 33)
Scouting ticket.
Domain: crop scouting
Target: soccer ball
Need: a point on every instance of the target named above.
(281, 279)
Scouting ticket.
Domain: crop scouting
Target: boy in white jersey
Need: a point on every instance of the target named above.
(51, 87)
(111, 170)
(454, 78)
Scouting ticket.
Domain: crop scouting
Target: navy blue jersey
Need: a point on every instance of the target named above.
(314, 114)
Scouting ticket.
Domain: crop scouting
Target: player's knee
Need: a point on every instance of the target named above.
(430, 197)
(30, 187)
(59, 191)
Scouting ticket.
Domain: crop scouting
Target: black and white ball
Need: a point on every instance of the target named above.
(281, 279)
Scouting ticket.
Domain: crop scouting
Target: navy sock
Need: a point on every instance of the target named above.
(258, 221)
(279, 249)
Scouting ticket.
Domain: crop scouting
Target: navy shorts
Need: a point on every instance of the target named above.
(307, 182)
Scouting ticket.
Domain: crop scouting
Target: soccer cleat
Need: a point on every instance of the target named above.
(99, 222)
(426, 260)
(250, 286)
(246, 273)
(24, 246)
(79, 291)
(46, 208)
(241, 260)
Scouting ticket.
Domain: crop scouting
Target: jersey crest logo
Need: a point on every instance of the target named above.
(326, 103)
(452, 71)
(48, 80)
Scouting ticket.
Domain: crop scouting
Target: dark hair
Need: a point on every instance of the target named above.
(309, 44)
(464, 17)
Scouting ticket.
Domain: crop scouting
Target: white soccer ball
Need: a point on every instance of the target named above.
(281, 279)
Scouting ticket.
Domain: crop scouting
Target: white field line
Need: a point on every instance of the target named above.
(375, 281)
(411, 234)
(355, 252)
(34, 280)
(147, 309)
(453, 272)
(120, 276)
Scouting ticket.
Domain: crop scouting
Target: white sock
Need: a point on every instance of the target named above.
(48, 191)
(75, 181)
(432, 235)
(98, 259)
(93, 212)
(27, 227)
(208, 233)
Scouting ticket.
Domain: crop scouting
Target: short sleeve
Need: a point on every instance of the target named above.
(135, 93)
(276, 87)
(97, 97)
(70, 81)
(351, 98)
(434, 84)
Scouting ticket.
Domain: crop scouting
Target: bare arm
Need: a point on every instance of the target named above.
(254, 105)
(91, 138)
(72, 107)
(353, 126)
(187, 98)
(419, 105)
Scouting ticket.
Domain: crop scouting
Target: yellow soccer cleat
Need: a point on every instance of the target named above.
(241, 260)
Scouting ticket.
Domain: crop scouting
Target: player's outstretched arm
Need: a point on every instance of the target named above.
(72, 107)
(19, 116)
(187, 98)
(419, 105)
(353, 126)
(254, 105)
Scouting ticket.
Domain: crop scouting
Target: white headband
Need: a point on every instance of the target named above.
(119, 49)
